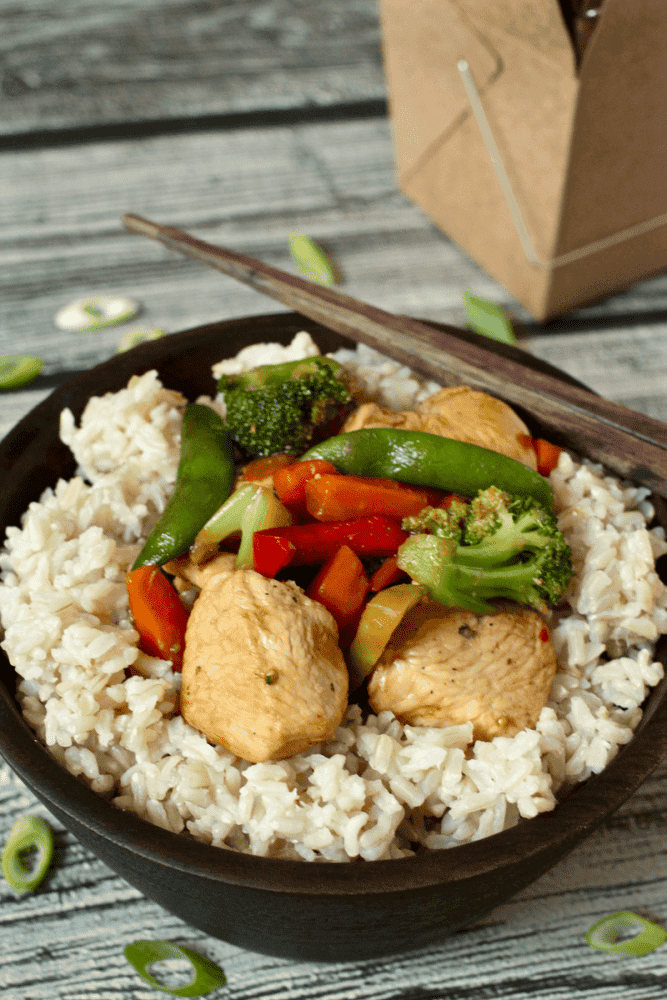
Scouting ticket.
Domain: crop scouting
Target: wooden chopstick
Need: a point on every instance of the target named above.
(628, 443)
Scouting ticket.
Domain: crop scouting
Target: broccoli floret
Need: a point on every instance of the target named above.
(441, 521)
(285, 407)
(507, 547)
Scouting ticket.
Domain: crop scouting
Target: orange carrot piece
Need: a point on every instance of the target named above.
(387, 573)
(158, 614)
(290, 483)
(547, 455)
(263, 469)
(340, 498)
(341, 586)
(448, 499)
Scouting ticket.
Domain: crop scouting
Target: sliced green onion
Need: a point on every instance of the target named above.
(605, 934)
(247, 510)
(137, 335)
(264, 511)
(225, 522)
(28, 833)
(488, 319)
(207, 976)
(96, 313)
(311, 259)
(17, 370)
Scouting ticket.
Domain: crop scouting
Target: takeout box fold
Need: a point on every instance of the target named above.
(583, 147)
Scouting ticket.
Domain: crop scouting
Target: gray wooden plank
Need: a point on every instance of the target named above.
(67, 939)
(60, 238)
(74, 63)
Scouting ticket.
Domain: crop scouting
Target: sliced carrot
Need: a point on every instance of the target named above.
(340, 498)
(289, 482)
(448, 499)
(341, 586)
(386, 574)
(263, 470)
(158, 614)
(547, 455)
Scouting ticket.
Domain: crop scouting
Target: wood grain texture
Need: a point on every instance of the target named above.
(66, 941)
(75, 63)
(247, 187)
(61, 237)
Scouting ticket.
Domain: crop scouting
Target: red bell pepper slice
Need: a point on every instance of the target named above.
(313, 544)
(271, 552)
(547, 455)
(158, 614)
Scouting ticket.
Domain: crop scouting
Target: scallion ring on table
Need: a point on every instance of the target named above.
(488, 319)
(96, 313)
(607, 934)
(207, 976)
(17, 370)
(28, 833)
(139, 335)
(311, 259)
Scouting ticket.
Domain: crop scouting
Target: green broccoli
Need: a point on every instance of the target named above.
(506, 547)
(285, 407)
(446, 522)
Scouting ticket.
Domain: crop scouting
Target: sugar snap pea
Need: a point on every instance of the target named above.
(423, 459)
(204, 480)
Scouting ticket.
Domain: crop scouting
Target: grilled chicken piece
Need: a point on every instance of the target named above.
(444, 667)
(263, 674)
(188, 574)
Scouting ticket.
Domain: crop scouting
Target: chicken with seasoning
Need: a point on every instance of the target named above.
(444, 667)
(263, 674)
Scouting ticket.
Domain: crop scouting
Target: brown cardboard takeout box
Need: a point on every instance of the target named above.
(563, 199)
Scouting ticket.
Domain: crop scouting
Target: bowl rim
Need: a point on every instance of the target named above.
(546, 836)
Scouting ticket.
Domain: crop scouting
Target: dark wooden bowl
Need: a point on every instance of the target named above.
(322, 911)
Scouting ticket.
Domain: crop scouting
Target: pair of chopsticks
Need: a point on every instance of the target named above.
(629, 443)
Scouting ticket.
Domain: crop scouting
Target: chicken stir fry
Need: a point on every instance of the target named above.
(444, 667)
(263, 674)
(434, 555)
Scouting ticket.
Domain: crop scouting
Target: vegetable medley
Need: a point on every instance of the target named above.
(325, 559)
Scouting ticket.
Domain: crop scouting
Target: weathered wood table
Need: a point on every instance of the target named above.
(241, 121)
